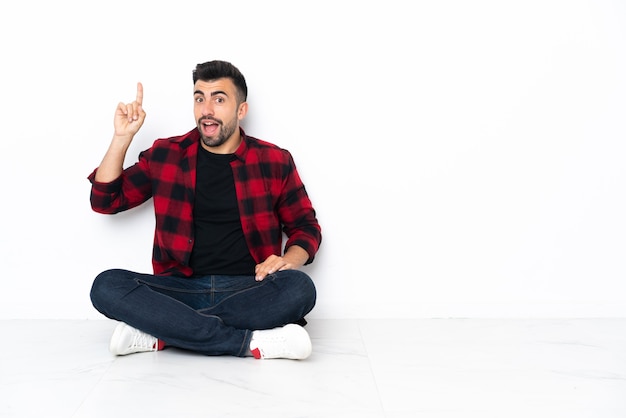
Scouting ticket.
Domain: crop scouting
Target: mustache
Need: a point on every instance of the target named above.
(209, 119)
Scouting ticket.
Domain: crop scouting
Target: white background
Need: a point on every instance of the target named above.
(466, 158)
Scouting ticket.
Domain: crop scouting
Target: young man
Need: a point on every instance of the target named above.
(222, 284)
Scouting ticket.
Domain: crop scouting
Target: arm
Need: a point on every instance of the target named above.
(112, 189)
(299, 224)
(127, 121)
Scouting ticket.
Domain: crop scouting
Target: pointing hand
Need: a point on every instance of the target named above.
(129, 117)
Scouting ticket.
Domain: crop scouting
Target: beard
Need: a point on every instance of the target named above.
(225, 131)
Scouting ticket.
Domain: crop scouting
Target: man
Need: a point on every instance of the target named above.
(222, 284)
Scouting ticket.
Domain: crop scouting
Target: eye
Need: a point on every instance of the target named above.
(219, 99)
(199, 99)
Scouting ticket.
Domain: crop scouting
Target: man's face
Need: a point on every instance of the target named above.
(217, 114)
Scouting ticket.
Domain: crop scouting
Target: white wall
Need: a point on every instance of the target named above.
(466, 158)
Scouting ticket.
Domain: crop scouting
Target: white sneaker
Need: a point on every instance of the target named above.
(291, 341)
(128, 340)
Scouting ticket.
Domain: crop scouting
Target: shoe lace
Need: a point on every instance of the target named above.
(142, 340)
(273, 345)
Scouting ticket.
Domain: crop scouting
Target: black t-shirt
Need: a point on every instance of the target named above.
(220, 246)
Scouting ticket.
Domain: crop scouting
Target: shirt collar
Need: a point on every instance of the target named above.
(242, 149)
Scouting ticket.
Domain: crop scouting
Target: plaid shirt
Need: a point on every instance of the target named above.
(271, 196)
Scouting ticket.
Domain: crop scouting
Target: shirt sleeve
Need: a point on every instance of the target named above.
(130, 189)
(298, 216)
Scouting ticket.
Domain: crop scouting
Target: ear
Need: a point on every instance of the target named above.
(243, 110)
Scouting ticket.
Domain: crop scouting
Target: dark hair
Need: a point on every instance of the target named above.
(212, 70)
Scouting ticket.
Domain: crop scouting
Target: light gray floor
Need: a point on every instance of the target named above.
(359, 368)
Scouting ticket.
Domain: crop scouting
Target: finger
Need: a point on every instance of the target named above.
(261, 271)
(278, 265)
(130, 112)
(139, 98)
(273, 268)
(140, 112)
(121, 110)
(259, 277)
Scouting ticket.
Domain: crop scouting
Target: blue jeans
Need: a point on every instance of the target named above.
(213, 315)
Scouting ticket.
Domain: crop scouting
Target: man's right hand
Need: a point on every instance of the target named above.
(129, 117)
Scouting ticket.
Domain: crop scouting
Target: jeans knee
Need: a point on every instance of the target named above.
(104, 286)
(305, 288)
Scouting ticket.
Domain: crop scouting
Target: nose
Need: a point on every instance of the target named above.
(206, 108)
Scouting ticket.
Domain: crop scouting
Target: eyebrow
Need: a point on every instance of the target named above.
(213, 93)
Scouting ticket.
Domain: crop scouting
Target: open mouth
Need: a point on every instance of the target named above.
(209, 127)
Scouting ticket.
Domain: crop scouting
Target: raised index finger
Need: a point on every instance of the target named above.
(139, 99)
